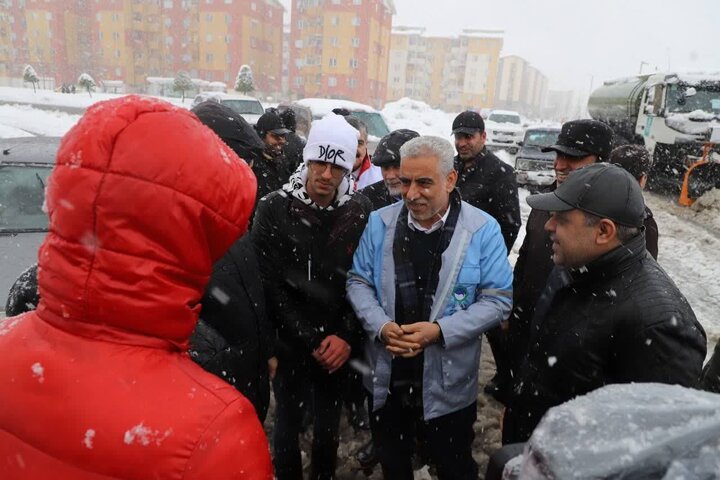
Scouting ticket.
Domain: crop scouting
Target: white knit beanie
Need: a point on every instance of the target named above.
(332, 140)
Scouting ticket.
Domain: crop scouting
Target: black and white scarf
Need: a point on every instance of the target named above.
(296, 188)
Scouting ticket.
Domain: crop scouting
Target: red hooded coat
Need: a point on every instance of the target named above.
(96, 383)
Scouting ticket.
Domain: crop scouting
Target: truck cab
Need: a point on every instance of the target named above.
(672, 114)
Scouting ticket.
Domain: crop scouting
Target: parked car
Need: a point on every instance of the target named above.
(504, 130)
(25, 164)
(377, 127)
(249, 108)
(534, 168)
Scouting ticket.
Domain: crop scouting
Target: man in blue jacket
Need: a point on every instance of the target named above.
(429, 277)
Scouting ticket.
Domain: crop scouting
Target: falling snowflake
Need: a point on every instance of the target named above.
(38, 372)
(88, 440)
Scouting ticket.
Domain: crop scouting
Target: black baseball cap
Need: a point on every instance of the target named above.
(468, 122)
(387, 151)
(602, 189)
(580, 138)
(270, 121)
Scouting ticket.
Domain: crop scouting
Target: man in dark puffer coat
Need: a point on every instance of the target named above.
(305, 235)
(234, 337)
(609, 313)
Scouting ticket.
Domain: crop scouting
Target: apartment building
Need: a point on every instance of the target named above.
(131, 40)
(522, 87)
(453, 73)
(340, 49)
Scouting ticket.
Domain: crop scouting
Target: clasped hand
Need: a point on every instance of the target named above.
(332, 353)
(409, 340)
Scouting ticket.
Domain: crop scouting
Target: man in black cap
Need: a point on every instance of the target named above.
(387, 157)
(580, 143)
(637, 161)
(486, 182)
(609, 313)
(272, 168)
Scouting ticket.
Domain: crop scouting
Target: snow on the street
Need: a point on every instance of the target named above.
(689, 238)
(23, 121)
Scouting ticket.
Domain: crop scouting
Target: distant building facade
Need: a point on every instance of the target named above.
(452, 73)
(521, 87)
(340, 49)
(129, 40)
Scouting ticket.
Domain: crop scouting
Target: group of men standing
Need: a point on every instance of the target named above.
(412, 270)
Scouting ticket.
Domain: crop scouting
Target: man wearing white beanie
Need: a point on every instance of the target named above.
(305, 235)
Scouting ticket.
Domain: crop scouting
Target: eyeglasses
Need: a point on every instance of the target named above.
(319, 168)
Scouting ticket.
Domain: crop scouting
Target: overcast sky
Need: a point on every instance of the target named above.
(575, 42)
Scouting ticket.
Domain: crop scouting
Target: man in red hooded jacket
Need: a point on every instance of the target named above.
(96, 383)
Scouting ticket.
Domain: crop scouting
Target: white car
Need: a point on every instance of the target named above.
(249, 108)
(377, 127)
(504, 130)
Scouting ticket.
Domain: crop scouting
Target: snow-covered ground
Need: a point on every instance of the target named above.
(689, 237)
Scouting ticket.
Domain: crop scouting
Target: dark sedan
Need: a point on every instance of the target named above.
(25, 164)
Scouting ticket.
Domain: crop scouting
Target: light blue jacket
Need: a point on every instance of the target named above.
(473, 295)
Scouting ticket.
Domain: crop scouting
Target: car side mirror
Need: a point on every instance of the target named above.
(521, 143)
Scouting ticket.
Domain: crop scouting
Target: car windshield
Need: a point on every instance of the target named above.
(706, 98)
(540, 138)
(504, 118)
(22, 190)
(376, 125)
(243, 107)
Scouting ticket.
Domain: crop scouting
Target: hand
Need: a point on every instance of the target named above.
(396, 342)
(272, 367)
(504, 325)
(332, 353)
(422, 333)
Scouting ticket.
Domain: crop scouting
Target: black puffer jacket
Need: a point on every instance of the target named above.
(378, 195)
(234, 338)
(271, 174)
(620, 319)
(489, 184)
(24, 295)
(710, 380)
(304, 256)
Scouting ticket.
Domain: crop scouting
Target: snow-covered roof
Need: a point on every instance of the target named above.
(322, 106)
(113, 83)
(402, 30)
(477, 33)
(218, 84)
(160, 80)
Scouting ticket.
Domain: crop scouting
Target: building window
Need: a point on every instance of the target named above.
(208, 17)
(208, 58)
(334, 21)
(357, 2)
(168, 4)
(356, 21)
(356, 42)
(209, 38)
(253, 6)
(352, 83)
(334, 41)
(333, 62)
(118, 53)
(298, 81)
(336, 2)
(353, 63)
(332, 82)
(228, 19)
(228, 38)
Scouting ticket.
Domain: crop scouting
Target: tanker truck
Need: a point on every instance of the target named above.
(672, 114)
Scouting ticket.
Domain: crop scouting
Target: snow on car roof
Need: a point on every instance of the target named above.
(322, 106)
(504, 112)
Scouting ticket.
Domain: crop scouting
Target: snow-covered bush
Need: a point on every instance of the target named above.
(244, 82)
(87, 82)
(182, 83)
(29, 75)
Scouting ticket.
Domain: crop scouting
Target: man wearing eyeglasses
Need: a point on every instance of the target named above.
(305, 235)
